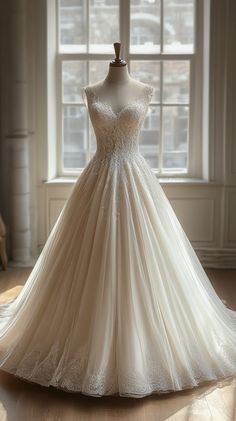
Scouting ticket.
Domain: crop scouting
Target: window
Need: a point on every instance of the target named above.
(163, 45)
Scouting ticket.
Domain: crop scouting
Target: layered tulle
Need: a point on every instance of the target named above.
(118, 302)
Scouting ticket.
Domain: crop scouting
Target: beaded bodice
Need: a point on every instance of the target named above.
(117, 132)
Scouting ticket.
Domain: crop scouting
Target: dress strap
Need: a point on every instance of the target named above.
(87, 95)
(149, 92)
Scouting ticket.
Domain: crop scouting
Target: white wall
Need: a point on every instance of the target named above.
(207, 210)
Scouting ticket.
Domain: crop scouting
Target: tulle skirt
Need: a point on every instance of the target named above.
(118, 302)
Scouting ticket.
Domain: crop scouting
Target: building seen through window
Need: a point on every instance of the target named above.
(162, 29)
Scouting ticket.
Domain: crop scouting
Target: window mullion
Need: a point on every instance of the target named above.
(191, 135)
(162, 56)
(59, 99)
(87, 118)
(60, 113)
(161, 88)
(57, 26)
(161, 119)
(87, 24)
(125, 28)
(195, 43)
(161, 26)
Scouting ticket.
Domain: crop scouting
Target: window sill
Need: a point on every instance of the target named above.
(162, 180)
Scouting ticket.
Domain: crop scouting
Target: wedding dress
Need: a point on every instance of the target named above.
(118, 302)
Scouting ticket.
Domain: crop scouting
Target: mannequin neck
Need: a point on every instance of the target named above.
(118, 75)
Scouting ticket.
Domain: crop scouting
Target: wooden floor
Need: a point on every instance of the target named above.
(27, 402)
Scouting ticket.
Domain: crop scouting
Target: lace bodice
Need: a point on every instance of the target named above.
(117, 132)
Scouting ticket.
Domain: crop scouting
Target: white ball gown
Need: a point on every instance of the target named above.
(118, 302)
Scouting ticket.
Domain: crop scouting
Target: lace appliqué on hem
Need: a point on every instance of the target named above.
(74, 376)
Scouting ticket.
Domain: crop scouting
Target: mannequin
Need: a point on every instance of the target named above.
(118, 88)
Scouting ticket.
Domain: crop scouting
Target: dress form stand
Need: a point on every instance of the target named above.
(118, 69)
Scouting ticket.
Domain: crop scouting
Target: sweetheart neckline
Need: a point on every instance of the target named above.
(118, 113)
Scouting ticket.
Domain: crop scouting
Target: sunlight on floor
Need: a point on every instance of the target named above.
(10, 294)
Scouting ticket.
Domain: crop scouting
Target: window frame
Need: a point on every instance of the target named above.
(199, 73)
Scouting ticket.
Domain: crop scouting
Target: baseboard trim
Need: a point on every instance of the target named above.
(209, 258)
(217, 258)
(28, 264)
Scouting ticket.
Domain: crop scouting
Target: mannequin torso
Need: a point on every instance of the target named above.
(118, 88)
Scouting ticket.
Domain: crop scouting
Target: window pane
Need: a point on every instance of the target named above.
(176, 81)
(98, 70)
(178, 26)
(74, 77)
(175, 137)
(150, 137)
(175, 161)
(147, 72)
(73, 21)
(145, 26)
(75, 139)
(74, 74)
(104, 25)
(103, 22)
